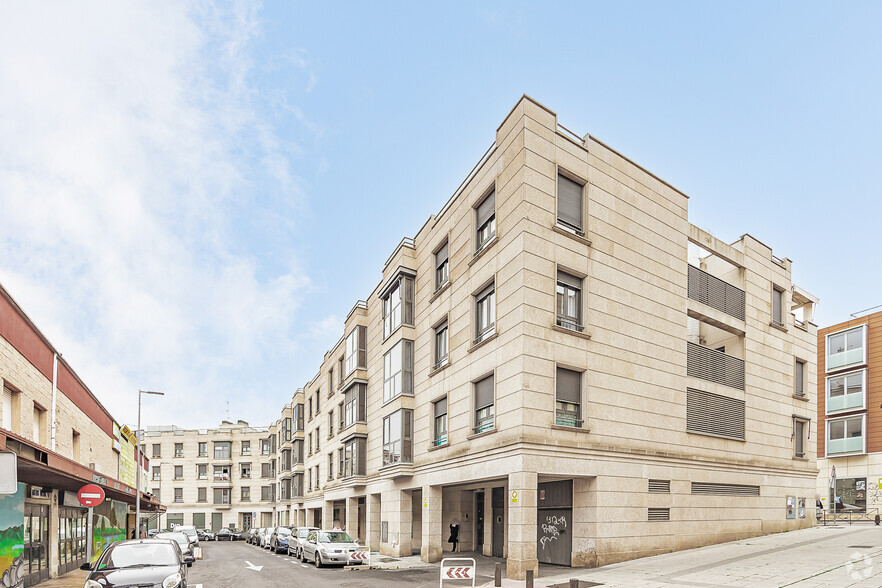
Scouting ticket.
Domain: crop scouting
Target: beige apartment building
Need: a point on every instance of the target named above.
(563, 366)
(213, 478)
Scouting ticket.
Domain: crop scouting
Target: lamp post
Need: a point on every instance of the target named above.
(138, 466)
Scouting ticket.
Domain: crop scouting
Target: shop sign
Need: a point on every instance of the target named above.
(8, 473)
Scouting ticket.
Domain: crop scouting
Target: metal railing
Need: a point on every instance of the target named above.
(716, 293)
(850, 516)
(714, 366)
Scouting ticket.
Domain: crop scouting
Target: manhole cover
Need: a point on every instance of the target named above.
(582, 584)
(859, 547)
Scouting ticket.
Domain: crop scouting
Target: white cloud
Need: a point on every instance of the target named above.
(133, 153)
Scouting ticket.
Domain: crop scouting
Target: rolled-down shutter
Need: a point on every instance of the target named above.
(569, 386)
(487, 208)
(569, 280)
(441, 407)
(569, 202)
(441, 256)
(484, 393)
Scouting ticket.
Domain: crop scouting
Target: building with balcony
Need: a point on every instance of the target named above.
(213, 478)
(849, 426)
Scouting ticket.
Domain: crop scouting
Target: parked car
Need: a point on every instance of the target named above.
(279, 539)
(298, 537)
(139, 562)
(224, 534)
(236, 534)
(248, 535)
(190, 532)
(206, 535)
(262, 535)
(330, 547)
(180, 538)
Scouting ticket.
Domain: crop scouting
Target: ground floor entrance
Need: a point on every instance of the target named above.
(71, 538)
(36, 543)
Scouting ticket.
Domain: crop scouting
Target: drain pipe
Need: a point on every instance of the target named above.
(54, 398)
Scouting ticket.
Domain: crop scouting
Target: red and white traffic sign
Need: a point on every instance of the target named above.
(91, 495)
(457, 572)
(460, 573)
(360, 555)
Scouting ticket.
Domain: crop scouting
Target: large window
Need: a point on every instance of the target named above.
(356, 349)
(485, 221)
(398, 304)
(847, 391)
(201, 495)
(442, 265)
(156, 473)
(286, 429)
(569, 301)
(845, 435)
(398, 370)
(157, 450)
(568, 398)
(221, 473)
(222, 496)
(485, 313)
(266, 470)
(245, 470)
(298, 417)
(847, 348)
(440, 422)
(353, 462)
(203, 449)
(245, 494)
(222, 449)
(397, 437)
(440, 358)
(777, 306)
(266, 493)
(484, 400)
(179, 450)
(800, 427)
(569, 204)
(354, 405)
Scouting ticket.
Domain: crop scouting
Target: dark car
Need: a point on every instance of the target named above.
(224, 534)
(236, 534)
(139, 562)
(279, 539)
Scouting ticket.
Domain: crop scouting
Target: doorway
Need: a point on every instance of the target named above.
(246, 521)
(554, 525)
(36, 543)
(498, 500)
(217, 521)
(71, 538)
(479, 521)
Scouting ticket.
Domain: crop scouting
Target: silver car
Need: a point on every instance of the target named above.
(297, 539)
(180, 538)
(331, 547)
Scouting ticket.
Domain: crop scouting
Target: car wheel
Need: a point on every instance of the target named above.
(318, 559)
(302, 556)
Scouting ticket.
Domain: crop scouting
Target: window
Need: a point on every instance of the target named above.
(6, 403)
(355, 402)
(440, 358)
(246, 447)
(485, 221)
(440, 424)
(179, 450)
(341, 414)
(222, 496)
(179, 495)
(442, 264)
(354, 458)
(245, 493)
(297, 485)
(309, 444)
(484, 420)
(222, 449)
(845, 435)
(203, 449)
(846, 391)
(777, 306)
(39, 425)
(222, 473)
(286, 429)
(245, 470)
(157, 450)
(156, 473)
(569, 301)
(309, 404)
(265, 446)
(341, 375)
(847, 348)
(266, 493)
(800, 427)
(318, 439)
(266, 470)
(799, 378)
(202, 471)
(485, 313)
(356, 349)
(75, 445)
(330, 382)
(568, 400)
(331, 466)
(569, 204)
(398, 371)
(298, 417)
(318, 401)
(331, 423)
(397, 303)
(397, 437)
(202, 495)
(340, 463)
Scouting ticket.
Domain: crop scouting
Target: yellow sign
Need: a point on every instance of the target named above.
(514, 495)
(425, 503)
(127, 433)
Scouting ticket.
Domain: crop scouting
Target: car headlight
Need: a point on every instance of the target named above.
(92, 584)
(172, 581)
(322, 549)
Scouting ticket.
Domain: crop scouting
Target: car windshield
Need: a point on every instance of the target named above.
(127, 555)
(189, 532)
(283, 531)
(335, 537)
(179, 537)
(302, 533)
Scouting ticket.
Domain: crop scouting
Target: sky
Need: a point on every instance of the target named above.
(193, 195)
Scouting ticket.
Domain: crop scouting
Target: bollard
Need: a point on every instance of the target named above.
(574, 583)
(498, 580)
(877, 520)
(529, 579)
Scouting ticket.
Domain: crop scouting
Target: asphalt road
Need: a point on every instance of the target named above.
(225, 565)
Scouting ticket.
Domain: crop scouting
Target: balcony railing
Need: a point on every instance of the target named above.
(716, 293)
(714, 366)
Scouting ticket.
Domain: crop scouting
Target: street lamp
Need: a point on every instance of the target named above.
(138, 466)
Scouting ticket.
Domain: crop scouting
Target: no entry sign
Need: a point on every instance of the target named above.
(91, 495)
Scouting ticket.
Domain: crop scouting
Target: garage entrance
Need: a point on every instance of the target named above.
(555, 522)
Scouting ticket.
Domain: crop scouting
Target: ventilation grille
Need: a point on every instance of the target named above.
(662, 486)
(713, 414)
(725, 489)
(659, 514)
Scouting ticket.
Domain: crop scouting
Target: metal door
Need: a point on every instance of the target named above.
(36, 543)
(246, 521)
(554, 528)
(498, 498)
(217, 521)
(479, 520)
(71, 538)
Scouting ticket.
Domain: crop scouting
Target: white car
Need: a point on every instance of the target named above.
(297, 539)
(332, 547)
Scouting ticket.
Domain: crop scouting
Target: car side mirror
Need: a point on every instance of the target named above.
(189, 559)
(86, 567)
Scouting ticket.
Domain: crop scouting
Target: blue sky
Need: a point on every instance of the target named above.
(194, 195)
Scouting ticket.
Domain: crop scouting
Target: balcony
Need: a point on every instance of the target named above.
(714, 366)
(716, 293)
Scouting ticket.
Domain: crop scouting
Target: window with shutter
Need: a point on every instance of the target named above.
(440, 345)
(569, 301)
(440, 412)
(569, 203)
(485, 313)
(568, 405)
(713, 414)
(485, 221)
(484, 401)
(442, 265)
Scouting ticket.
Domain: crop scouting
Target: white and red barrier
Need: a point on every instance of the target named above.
(458, 571)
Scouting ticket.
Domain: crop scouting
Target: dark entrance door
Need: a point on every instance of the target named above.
(217, 521)
(555, 522)
(36, 543)
(246, 521)
(479, 520)
(498, 498)
(71, 538)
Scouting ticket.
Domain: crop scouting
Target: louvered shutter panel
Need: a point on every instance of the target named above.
(569, 280)
(362, 403)
(714, 414)
(6, 409)
(569, 386)
(441, 256)
(441, 407)
(487, 208)
(362, 346)
(484, 393)
(799, 378)
(408, 300)
(407, 367)
(569, 202)
(485, 291)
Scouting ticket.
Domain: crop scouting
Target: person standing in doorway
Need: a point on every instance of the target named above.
(454, 534)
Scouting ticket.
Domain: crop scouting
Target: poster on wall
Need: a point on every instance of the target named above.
(108, 525)
(802, 508)
(791, 507)
(12, 564)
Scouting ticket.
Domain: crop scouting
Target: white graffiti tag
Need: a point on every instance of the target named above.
(551, 529)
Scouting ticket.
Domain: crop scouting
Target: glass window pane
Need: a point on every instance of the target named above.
(837, 387)
(837, 344)
(837, 429)
(854, 339)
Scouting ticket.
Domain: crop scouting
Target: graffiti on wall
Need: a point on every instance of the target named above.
(108, 526)
(12, 564)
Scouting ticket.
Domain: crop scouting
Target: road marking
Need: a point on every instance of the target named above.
(304, 566)
(251, 566)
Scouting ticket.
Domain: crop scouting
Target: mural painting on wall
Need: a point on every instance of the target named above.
(108, 526)
(12, 564)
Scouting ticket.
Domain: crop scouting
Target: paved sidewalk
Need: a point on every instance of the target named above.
(810, 558)
(74, 579)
